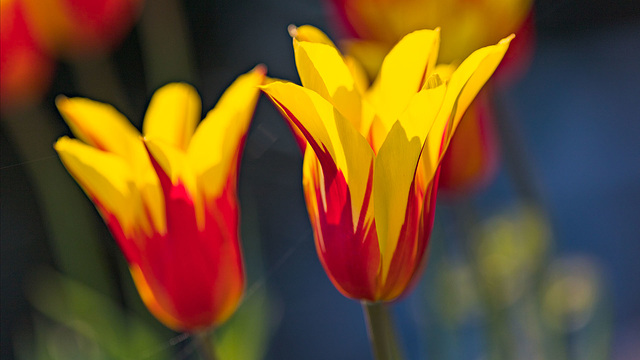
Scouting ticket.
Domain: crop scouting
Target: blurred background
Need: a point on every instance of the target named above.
(541, 263)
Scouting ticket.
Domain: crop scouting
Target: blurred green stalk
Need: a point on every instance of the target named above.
(381, 333)
(165, 44)
(70, 219)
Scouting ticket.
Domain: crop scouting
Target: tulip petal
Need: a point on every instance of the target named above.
(358, 73)
(422, 111)
(172, 115)
(313, 116)
(311, 34)
(336, 142)
(359, 160)
(323, 70)
(403, 72)
(100, 125)
(370, 54)
(105, 178)
(462, 88)
(216, 146)
(150, 299)
(174, 171)
(395, 168)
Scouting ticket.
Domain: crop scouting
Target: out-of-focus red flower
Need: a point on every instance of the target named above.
(170, 201)
(472, 159)
(72, 28)
(25, 68)
(36, 32)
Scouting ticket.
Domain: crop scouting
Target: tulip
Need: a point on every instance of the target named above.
(36, 32)
(73, 28)
(169, 199)
(372, 155)
(25, 69)
(466, 25)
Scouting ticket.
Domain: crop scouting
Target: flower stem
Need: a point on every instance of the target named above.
(380, 331)
(205, 345)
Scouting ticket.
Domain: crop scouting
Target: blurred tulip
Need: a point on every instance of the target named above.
(73, 28)
(25, 68)
(471, 161)
(510, 251)
(35, 32)
(466, 25)
(170, 200)
(372, 156)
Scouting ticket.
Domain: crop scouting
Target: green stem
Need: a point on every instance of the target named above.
(69, 217)
(165, 44)
(205, 345)
(380, 330)
(97, 78)
(499, 336)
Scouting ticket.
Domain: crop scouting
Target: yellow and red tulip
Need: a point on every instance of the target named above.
(372, 155)
(169, 199)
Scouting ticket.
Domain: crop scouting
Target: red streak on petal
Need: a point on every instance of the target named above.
(328, 165)
(350, 257)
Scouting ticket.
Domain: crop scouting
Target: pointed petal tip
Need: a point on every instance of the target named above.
(507, 39)
(60, 99)
(292, 30)
(260, 69)
(178, 84)
(61, 143)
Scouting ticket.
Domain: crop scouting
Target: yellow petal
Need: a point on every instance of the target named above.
(173, 162)
(214, 148)
(445, 71)
(395, 168)
(464, 85)
(403, 72)
(358, 73)
(309, 33)
(311, 113)
(328, 133)
(359, 161)
(368, 53)
(99, 125)
(422, 110)
(105, 178)
(173, 113)
(323, 70)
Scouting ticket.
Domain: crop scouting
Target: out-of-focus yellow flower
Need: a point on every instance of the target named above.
(170, 200)
(25, 68)
(372, 154)
(466, 24)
